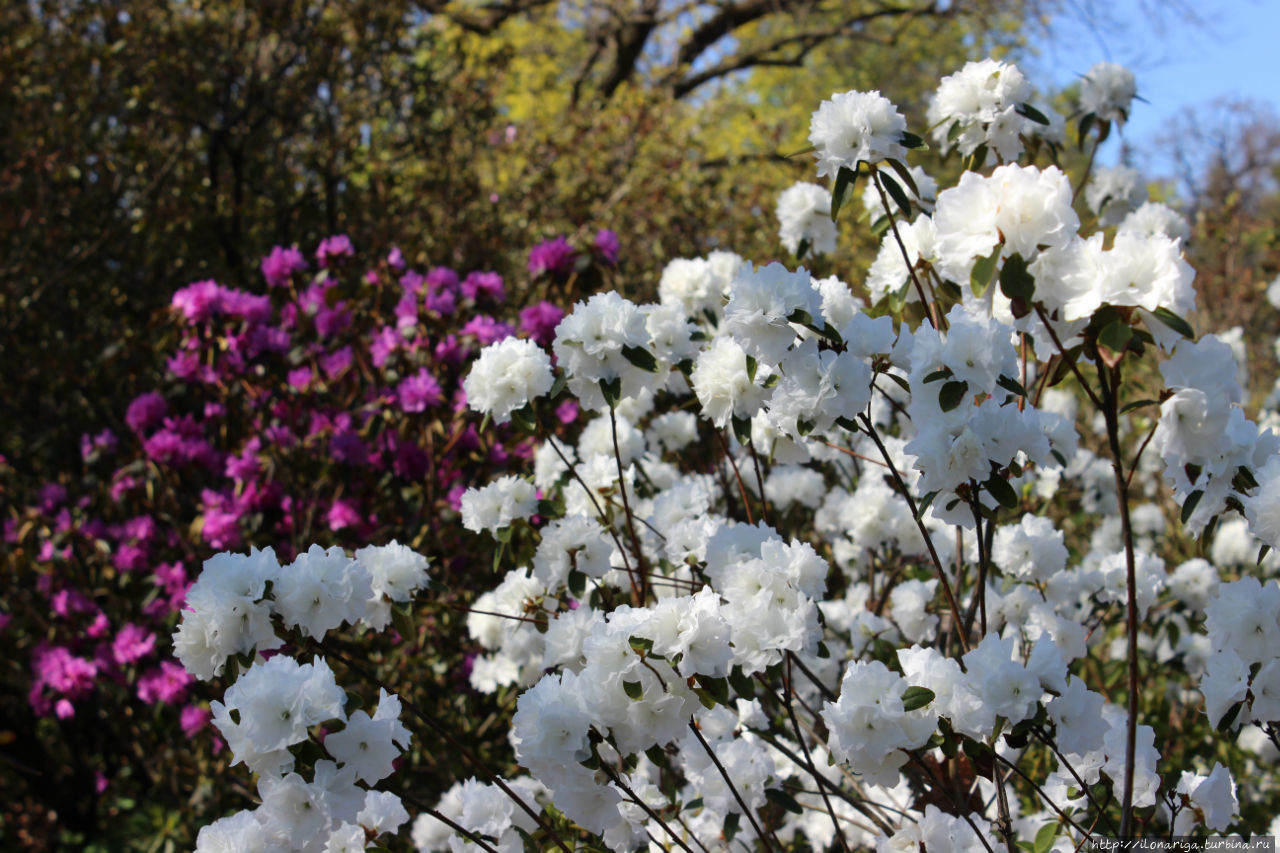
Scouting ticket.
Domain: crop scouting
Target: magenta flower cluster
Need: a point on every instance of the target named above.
(327, 407)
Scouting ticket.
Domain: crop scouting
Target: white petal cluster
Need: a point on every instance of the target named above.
(804, 215)
(1203, 431)
(591, 346)
(868, 726)
(507, 376)
(856, 127)
(498, 504)
(1114, 193)
(321, 590)
(978, 106)
(1107, 91)
(226, 612)
(1019, 208)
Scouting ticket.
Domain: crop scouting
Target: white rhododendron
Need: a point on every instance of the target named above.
(886, 566)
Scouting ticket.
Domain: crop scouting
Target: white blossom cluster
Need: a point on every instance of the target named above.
(273, 706)
(801, 577)
(645, 720)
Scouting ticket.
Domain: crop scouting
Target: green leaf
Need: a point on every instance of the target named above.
(525, 418)
(800, 316)
(1137, 404)
(633, 689)
(845, 179)
(955, 131)
(641, 358)
(656, 754)
(1017, 283)
(896, 192)
(1229, 718)
(562, 382)
(1189, 506)
(911, 140)
(1013, 386)
(1083, 128)
(731, 821)
(1044, 838)
(900, 380)
(497, 555)
(1262, 553)
(803, 248)
(612, 390)
(940, 373)
(783, 799)
(905, 174)
(977, 159)
(1173, 321)
(717, 687)
(752, 367)
(999, 488)
(915, 698)
(741, 429)
(742, 684)
(1115, 336)
(951, 394)
(984, 271)
(577, 583)
(1032, 113)
(695, 803)
(924, 502)
(641, 645)
(402, 621)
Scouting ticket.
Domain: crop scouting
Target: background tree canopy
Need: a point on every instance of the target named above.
(150, 143)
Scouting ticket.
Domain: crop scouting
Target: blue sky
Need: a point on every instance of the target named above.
(1228, 50)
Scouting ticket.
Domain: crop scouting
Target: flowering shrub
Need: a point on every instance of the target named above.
(892, 576)
(322, 407)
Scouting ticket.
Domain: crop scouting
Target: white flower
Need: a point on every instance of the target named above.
(370, 745)
(1263, 507)
(498, 504)
(722, 384)
(1107, 91)
(592, 344)
(1020, 206)
(980, 100)
(277, 701)
(242, 832)
(1211, 799)
(506, 376)
(1115, 193)
(853, 128)
(804, 214)
(322, 589)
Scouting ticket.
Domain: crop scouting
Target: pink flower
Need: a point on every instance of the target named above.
(487, 284)
(281, 264)
(487, 330)
(333, 248)
(132, 643)
(539, 322)
(193, 719)
(607, 245)
(419, 392)
(336, 363)
(166, 683)
(300, 378)
(554, 257)
(343, 513)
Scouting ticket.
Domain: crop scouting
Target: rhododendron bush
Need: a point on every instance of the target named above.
(969, 550)
(321, 404)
